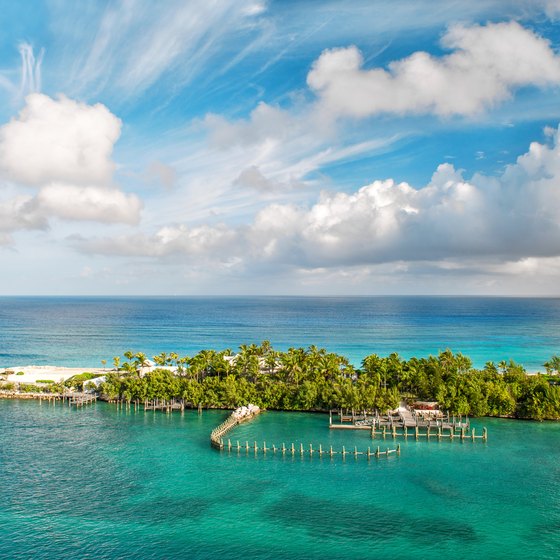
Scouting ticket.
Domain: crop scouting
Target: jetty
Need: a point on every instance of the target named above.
(165, 405)
(239, 415)
(406, 422)
(246, 413)
(69, 398)
(300, 450)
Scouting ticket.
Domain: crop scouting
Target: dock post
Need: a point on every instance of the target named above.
(330, 417)
(472, 433)
(484, 434)
(264, 447)
(229, 444)
(394, 431)
(331, 452)
(293, 450)
(439, 434)
(356, 451)
(247, 446)
(238, 446)
(343, 451)
(283, 448)
(405, 431)
(399, 449)
(320, 450)
(377, 452)
(384, 432)
(311, 450)
(301, 449)
(256, 448)
(451, 433)
(462, 433)
(368, 453)
(274, 449)
(373, 430)
(416, 432)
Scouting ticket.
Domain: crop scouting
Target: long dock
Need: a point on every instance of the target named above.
(237, 417)
(76, 399)
(302, 451)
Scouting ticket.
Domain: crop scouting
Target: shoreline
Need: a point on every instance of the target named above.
(32, 374)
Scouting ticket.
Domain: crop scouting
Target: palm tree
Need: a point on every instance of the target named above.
(117, 362)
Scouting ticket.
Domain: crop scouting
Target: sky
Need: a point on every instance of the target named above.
(280, 147)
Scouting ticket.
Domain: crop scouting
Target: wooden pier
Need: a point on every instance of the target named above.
(165, 406)
(81, 399)
(300, 450)
(217, 434)
(72, 399)
(408, 424)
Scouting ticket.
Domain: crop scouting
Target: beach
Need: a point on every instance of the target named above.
(34, 374)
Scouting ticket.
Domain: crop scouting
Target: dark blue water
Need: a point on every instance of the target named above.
(82, 331)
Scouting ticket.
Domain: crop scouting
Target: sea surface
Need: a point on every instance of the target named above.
(107, 483)
(82, 331)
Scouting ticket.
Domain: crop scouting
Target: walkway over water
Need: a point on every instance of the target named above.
(398, 423)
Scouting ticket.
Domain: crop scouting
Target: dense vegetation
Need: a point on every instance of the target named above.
(314, 379)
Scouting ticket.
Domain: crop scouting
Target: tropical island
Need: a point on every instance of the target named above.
(313, 379)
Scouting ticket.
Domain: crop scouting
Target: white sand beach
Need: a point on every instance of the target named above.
(32, 374)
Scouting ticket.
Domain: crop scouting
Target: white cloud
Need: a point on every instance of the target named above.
(97, 204)
(507, 218)
(135, 46)
(486, 64)
(59, 140)
(63, 148)
(30, 69)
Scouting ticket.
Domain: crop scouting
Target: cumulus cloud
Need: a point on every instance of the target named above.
(486, 64)
(59, 140)
(63, 148)
(88, 204)
(210, 242)
(498, 219)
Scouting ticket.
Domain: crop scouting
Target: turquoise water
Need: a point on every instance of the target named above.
(103, 483)
(82, 331)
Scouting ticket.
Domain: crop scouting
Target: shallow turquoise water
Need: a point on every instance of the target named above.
(102, 483)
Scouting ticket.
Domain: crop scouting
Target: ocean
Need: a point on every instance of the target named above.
(107, 483)
(82, 331)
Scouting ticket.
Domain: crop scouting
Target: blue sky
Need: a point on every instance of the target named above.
(288, 147)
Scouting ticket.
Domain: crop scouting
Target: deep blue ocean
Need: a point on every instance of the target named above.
(82, 331)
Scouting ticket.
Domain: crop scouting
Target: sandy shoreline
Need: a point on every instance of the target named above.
(32, 374)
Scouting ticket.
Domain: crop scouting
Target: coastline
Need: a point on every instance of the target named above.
(32, 374)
